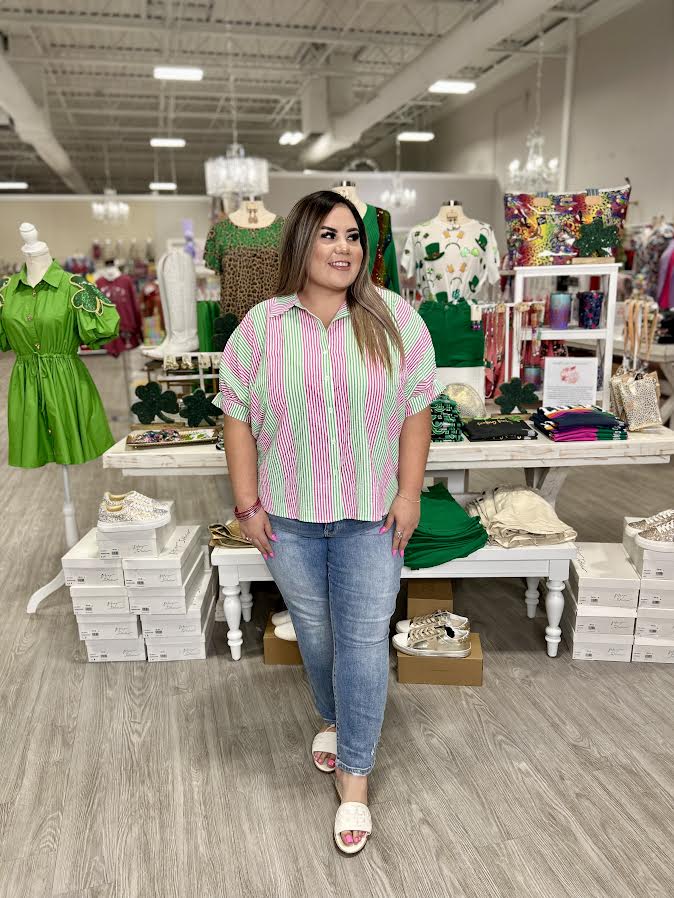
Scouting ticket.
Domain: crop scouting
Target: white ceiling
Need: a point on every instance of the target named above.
(89, 63)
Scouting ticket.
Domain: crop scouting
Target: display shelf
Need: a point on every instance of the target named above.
(569, 333)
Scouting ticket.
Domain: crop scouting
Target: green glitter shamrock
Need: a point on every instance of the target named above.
(199, 407)
(596, 239)
(88, 296)
(223, 328)
(153, 403)
(515, 394)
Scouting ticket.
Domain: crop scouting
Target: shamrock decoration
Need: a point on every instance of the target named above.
(88, 296)
(515, 394)
(223, 328)
(153, 403)
(199, 407)
(596, 239)
(433, 252)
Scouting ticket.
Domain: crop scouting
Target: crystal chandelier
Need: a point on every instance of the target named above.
(537, 175)
(110, 209)
(235, 173)
(399, 196)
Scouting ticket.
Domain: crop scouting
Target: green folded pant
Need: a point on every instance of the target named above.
(455, 342)
(445, 531)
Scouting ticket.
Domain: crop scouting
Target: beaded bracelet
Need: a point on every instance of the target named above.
(416, 501)
(248, 513)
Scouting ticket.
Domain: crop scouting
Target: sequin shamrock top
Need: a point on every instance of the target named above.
(246, 260)
(451, 262)
(54, 411)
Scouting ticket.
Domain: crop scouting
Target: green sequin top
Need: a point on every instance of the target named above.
(247, 261)
(383, 263)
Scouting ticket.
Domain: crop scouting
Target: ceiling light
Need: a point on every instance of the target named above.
(109, 208)
(236, 173)
(163, 185)
(13, 185)
(452, 87)
(415, 136)
(291, 138)
(178, 73)
(178, 142)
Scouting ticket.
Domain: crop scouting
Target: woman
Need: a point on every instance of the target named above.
(325, 390)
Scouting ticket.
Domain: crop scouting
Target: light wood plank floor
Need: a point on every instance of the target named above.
(193, 780)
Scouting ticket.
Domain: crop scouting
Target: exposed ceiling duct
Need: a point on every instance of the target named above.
(32, 127)
(447, 55)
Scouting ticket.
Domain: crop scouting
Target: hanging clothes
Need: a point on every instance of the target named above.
(120, 291)
(383, 264)
(247, 261)
(54, 411)
(651, 254)
(666, 278)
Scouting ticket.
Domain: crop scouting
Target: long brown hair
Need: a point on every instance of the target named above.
(373, 325)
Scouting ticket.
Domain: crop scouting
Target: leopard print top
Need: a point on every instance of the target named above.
(247, 262)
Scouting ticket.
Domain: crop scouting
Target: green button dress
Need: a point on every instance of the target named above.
(54, 411)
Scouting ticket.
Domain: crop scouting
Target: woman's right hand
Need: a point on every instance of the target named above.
(259, 531)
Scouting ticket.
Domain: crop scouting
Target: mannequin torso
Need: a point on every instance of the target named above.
(252, 214)
(347, 189)
(35, 252)
(452, 213)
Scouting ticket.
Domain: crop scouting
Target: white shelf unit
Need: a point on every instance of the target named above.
(602, 336)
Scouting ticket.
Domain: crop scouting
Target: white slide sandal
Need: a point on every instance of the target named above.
(281, 617)
(327, 742)
(352, 816)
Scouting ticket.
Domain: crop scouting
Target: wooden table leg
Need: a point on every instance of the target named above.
(246, 601)
(531, 596)
(232, 603)
(546, 481)
(554, 606)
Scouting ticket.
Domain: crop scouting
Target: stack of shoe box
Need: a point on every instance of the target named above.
(601, 604)
(653, 559)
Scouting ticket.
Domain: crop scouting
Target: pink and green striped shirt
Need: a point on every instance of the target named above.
(327, 421)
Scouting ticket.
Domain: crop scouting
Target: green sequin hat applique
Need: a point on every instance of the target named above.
(433, 252)
(88, 296)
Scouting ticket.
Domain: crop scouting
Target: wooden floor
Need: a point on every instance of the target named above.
(193, 780)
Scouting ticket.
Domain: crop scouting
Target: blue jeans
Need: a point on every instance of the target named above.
(340, 582)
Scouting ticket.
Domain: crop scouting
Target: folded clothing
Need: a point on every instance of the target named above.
(578, 423)
(445, 421)
(515, 516)
(484, 429)
(445, 531)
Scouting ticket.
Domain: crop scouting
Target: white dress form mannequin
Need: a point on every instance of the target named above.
(452, 212)
(38, 259)
(111, 272)
(252, 214)
(347, 189)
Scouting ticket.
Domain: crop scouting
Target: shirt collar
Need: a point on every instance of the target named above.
(52, 275)
(281, 304)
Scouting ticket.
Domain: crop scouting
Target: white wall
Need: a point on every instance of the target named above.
(622, 120)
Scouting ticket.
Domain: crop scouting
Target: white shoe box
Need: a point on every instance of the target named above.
(192, 623)
(183, 648)
(649, 564)
(597, 620)
(82, 565)
(99, 600)
(601, 574)
(605, 647)
(113, 626)
(171, 567)
(116, 649)
(656, 594)
(655, 650)
(168, 599)
(655, 623)
(136, 543)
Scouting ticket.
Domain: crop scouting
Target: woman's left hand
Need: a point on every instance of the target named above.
(404, 515)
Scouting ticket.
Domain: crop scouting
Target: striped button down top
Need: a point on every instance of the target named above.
(327, 421)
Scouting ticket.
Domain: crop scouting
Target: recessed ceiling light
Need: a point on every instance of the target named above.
(415, 136)
(167, 142)
(178, 73)
(452, 87)
(13, 185)
(291, 138)
(163, 185)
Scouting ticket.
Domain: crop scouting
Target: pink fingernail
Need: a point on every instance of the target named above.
(264, 556)
(348, 839)
(402, 553)
(394, 552)
(271, 554)
(274, 538)
(383, 530)
(331, 763)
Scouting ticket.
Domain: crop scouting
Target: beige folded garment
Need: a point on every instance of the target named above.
(515, 516)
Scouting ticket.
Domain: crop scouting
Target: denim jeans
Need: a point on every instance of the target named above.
(340, 582)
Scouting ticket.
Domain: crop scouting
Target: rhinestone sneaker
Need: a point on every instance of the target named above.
(659, 538)
(661, 517)
(132, 515)
(133, 498)
(436, 619)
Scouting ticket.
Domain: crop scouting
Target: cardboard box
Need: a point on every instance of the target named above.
(656, 594)
(82, 565)
(172, 567)
(183, 648)
(601, 574)
(109, 626)
(170, 599)
(443, 671)
(193, 622)
(655, 623)
(134, 543)
(595, 620)
(660, 651)
(433, 589)
(279, 651)
(606, 647)
(419, 607)
(99, 600)
(116, 649)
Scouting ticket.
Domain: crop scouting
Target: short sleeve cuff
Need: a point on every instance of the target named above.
(231, 408)
(422, 400)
